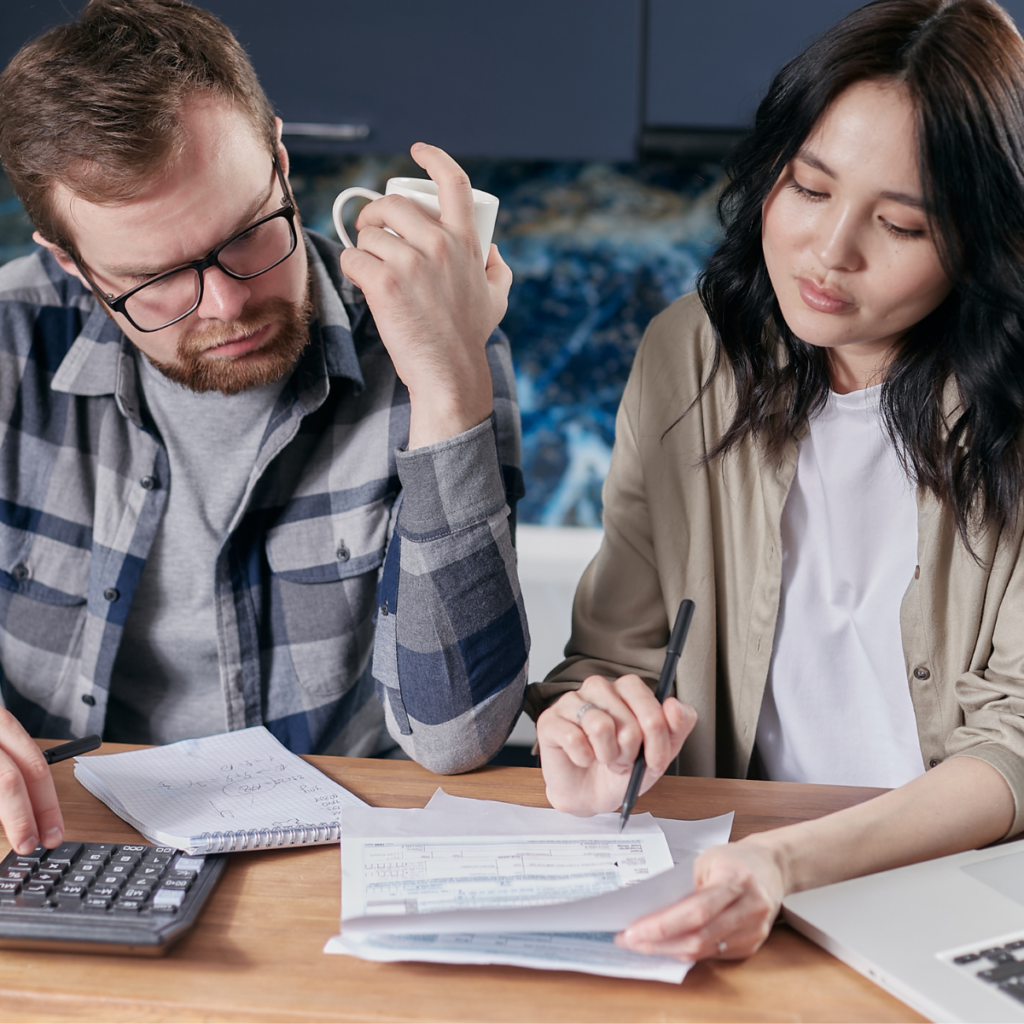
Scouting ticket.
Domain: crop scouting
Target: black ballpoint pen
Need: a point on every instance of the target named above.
(668, 673)
(72, 748)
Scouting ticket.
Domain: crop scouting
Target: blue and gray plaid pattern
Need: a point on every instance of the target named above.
(345, 545)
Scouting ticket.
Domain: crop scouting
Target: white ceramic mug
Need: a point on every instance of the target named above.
(423, 192)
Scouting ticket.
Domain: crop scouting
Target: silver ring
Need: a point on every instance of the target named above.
(721, 946)
(582, 711)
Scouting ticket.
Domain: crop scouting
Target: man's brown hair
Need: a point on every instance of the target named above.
(94, 105)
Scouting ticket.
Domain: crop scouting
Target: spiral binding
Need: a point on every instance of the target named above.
(264, 838)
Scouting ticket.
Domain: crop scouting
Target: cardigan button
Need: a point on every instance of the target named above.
(922, 673)
(148, 483)
(343, 553)
(88, 698)
(917, 572)
(111, 593)
(20, 572)
(934, 761)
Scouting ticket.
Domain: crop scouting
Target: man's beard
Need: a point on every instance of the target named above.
(265, 365)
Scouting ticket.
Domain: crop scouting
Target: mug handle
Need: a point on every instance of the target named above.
(343, 198)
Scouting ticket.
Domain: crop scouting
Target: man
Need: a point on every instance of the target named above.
(218, 467)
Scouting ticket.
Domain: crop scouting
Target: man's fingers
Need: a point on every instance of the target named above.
(454, 192)
(29, 809)
(16, 812)
(412, 225)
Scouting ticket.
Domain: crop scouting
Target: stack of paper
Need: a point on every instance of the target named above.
(476, 881)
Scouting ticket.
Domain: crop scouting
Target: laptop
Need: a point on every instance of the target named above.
(945, 936)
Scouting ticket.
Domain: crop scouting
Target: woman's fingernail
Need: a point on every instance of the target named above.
(53, 837)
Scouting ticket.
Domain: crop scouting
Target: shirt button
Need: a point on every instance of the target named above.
(934, 761)
(384, 609)
(922, 673)
(917, 572)
(148, 483)
(111, 593)
(20, 572)
(88, 698)
(343, 553)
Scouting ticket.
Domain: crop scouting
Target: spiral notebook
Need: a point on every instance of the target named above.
(235, 791)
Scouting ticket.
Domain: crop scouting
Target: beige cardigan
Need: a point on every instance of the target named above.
(675, 528)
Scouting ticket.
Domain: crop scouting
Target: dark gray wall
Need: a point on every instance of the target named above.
(710, 61)
(555, 79)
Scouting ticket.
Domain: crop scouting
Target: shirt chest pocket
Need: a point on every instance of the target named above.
(44, 586)
(44, 568)
(324, 549)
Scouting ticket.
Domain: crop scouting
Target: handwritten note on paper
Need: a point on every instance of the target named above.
(243, 781)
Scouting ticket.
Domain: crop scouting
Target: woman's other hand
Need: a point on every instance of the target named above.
(738, 890)
(590, 738)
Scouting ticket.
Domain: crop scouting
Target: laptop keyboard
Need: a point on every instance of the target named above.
(998, 963)
(103, 897)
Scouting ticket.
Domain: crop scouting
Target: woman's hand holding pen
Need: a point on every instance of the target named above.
(738, 890)
(590, 738)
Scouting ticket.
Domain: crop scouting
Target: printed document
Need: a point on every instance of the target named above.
(475, 881)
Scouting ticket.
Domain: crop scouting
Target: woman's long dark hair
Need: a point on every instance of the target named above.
(953, 396)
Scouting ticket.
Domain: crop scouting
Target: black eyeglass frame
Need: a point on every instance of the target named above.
(201, 266)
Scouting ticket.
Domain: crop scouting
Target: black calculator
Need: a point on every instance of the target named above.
(103, 897)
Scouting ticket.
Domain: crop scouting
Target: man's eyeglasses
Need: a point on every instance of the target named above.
(173, 295)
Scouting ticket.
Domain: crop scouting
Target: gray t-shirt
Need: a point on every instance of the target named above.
(166, 683)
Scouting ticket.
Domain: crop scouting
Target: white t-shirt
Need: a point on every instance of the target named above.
(837, 706)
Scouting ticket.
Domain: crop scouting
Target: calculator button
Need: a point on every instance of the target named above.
(135, 893)
(32, 902)
(99, 859)
(16, 874)
(35, 888)
(179, 884)
(53, 877)
(123, 870)
(168, 898)
(128, 906)
(95, 903)
(125, 860)
(164, 908)
(71, 891)
(9, 886)
(148, 871)
(105, 892)
(135, 849)
(64, 854)
(112, 882)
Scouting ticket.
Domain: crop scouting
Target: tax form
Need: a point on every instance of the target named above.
(475, 881)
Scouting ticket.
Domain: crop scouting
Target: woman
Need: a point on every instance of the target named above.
(823, 449)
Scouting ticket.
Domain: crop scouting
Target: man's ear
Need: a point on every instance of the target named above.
(67, 264)
(282, 153)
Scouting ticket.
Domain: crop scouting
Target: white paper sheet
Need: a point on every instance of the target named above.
(534, 935)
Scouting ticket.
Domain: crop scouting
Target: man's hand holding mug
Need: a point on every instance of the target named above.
(437, 288)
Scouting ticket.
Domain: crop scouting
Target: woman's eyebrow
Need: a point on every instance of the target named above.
(807, 157)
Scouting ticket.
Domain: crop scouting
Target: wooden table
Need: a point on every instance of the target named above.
(256, 952)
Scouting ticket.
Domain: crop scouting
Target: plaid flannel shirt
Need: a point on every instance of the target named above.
(351, 565)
